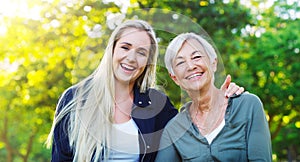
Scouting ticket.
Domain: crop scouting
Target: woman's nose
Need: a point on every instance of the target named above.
(191, 65)
(131, 55)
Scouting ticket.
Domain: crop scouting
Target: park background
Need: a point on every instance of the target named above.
(48, 45)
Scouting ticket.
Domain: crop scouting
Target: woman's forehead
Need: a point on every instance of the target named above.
(135, 37)
(189, 47)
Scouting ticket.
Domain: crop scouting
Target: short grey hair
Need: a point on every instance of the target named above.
(176, 44)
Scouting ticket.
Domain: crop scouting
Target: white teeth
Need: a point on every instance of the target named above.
(127, 67)
(194, 75)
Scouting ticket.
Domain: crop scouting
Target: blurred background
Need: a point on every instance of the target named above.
(48, 45)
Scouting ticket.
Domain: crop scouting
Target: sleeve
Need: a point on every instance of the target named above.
(259, 139)
(61, 150)
(167, 150)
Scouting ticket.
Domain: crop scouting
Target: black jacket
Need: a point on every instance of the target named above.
(151, 112)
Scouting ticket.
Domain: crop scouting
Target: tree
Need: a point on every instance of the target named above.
(41, 57)
(268, 66)
(275, 79)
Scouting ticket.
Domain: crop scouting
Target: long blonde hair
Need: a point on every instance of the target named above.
(91, 109)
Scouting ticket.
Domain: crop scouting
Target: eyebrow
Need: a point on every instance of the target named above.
(196, 52)
(126, 43)
(180, 57)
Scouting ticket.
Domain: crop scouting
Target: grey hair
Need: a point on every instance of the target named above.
(176, 44)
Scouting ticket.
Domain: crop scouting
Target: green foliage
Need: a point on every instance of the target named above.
(276, 77)
(40, 58)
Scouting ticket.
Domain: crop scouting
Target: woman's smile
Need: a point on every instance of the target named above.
(127, 68)
(194, 76)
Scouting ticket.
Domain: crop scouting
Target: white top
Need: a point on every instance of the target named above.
(211, 136)
(124, 142)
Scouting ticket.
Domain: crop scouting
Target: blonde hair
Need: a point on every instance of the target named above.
(92, 106)
(176, 44)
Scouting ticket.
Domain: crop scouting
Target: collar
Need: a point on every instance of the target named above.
(141, 99)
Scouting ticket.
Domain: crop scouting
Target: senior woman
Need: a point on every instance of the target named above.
(210, 127)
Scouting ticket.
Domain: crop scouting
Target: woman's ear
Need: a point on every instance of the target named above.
(173, 77)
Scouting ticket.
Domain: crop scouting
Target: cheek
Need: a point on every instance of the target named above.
(142, 62)
(117, 54)
(114, 60)
(207, 65)
(179, 71)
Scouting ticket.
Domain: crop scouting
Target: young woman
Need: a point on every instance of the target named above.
(211, 127)
(115, 114)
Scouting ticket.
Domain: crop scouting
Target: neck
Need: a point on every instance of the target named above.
(123, 102)
(123, 91)
(206, 99)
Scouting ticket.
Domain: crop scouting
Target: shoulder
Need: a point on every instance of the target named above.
(158, 96)
(180, 121)
(153, 91)
(246, 97)
(68, 93)
(160, 99)
(65, 98)
(177, 127)
(246, 103)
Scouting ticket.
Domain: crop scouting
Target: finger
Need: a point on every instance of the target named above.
(231, 89)
(226, 83)
(240, 91)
